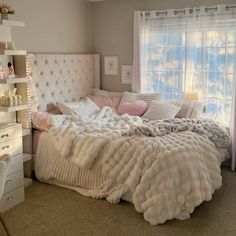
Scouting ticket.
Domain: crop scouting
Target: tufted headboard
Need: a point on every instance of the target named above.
(61, 77)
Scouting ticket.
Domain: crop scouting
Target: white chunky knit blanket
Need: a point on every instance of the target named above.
(166, 168)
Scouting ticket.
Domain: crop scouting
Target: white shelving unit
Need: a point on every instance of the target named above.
(27, 157)
(12, 52)
(26, 132)
(22, 113)
(12, 23)
(14, 81)
(27, 181)
(13, 108)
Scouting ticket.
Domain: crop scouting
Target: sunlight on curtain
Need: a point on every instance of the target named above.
(194, 51)
(210, 66)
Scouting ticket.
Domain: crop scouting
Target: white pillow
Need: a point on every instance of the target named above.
(146, 97)
(161, 110)
(85, 107)
(189, 109)
(105, 93)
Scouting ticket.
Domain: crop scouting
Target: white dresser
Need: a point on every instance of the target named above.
(11, 144)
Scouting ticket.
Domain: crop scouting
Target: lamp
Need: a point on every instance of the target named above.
(191, 96)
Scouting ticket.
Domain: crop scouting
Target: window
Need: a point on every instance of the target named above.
(178, 61)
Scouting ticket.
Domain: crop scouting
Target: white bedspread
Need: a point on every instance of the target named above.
(81, 139)
(165, 168)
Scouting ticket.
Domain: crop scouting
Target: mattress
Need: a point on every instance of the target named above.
(51, 168)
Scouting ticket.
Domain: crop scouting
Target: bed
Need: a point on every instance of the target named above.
(50, 74)
(165, 168)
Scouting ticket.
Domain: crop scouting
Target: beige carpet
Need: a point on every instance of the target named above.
(3, 231)
(50, 210)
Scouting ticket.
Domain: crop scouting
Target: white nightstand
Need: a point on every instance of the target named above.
(11, 144)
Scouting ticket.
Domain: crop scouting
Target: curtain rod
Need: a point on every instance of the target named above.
(191, 10)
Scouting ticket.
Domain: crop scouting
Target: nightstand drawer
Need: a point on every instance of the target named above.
(14, 181)
(11, 199)
(15, 164)
(12, 147)
(10, 131)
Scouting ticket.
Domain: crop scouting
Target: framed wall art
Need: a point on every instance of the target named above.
(111, 65)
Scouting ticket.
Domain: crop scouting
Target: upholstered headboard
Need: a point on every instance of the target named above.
(61, 77)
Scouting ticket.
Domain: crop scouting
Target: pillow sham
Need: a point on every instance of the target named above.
(105, 93)
(85, 107)
(41, 120)
(110, 101)
(136, 108)
(161, 110)
(146, 97)
(189, 109)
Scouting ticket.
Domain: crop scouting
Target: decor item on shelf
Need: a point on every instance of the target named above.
(7, 45)
(11, 99)
(3, 45)
(5, 10)
(11, 73)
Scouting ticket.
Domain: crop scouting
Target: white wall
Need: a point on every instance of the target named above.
(53, 25)
(113, 29)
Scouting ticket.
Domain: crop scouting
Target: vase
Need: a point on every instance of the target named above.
(4, 16)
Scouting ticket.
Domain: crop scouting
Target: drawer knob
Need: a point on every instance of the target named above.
(5, 147)
(10, 198)
(4, 136)
(8, 181)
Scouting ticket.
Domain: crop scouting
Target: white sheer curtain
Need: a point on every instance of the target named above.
(192, 49)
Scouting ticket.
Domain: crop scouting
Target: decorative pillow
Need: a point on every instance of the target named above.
(53, 109)
(136, 108)
(146, 97)
(161, 110)
(105, 93)
(189, 109)
(85, 107)
(41, 121)
(102, 101)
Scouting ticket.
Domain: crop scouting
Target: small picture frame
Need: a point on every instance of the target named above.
(127, 74)
(111, 65)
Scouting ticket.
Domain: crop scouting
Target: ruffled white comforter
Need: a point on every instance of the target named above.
(166, 168)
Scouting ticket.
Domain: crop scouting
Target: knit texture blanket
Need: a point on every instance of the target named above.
(166, 168)
(81, 139)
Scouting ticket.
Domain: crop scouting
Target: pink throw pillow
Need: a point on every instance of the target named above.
(136, 108)
(102, 101)
(40, 120)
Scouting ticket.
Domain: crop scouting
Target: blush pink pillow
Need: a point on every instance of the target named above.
(40, 120)
(102, 101)
(136, 108)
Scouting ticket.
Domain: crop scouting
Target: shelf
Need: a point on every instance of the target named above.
(27, 182)
(27, 157)
(13, 108)
(12, 23)
(12, 52)
(13, 81)
(26, 132)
